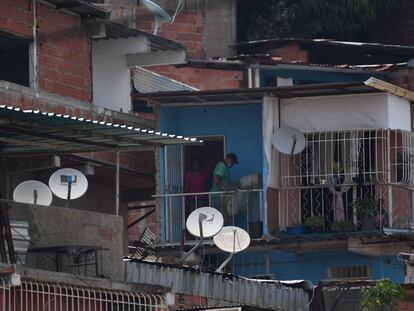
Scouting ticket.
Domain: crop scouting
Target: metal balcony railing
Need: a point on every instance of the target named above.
(243, 208)
(349, 157)
(338, 167)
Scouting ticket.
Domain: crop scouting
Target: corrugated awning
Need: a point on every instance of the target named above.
(34, 131)
(252, 95)
(81, 7)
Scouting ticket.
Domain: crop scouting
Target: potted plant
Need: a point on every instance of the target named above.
(336, 171)
(343, 226)
(365, 210)
(314, 224)
(384, 296)
(295, 229)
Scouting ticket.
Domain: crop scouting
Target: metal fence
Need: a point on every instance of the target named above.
(243, 208)
(42, 296)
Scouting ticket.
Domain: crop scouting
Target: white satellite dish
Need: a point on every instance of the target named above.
(289, 140)
(231, 240)
(68, 183)
(160, 15)
(205, 222)
(33, 192)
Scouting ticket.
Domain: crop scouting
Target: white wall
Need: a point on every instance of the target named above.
(366, 111)
(110, 73)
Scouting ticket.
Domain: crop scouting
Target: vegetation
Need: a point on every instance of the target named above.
(338, 19)
(336, 168)
(315, 221)
(384, 296)
(364, 207)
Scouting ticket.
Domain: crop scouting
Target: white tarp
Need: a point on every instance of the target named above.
(366, 111)
(327, 113)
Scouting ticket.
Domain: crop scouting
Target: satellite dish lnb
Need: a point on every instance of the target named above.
(33, 192)
(205, 222)
(231, 240)
(68, 184)
(289, 140)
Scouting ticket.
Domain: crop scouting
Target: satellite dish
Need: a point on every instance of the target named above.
(33, 192)
(159, 13)
(231, 240)
(289, 140)
(68, 183)
(205, 222)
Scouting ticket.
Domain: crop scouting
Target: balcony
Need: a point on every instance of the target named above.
(242, 208)
(340, 170)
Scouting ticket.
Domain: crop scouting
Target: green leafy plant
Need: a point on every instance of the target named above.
(343, 226)
(336, 168)
(384, 296)
(364, 207)
(315, 221)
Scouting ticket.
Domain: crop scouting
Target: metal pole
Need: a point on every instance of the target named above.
(117, 183)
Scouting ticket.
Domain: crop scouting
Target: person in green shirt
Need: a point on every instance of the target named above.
(221, 182)
(221, 173)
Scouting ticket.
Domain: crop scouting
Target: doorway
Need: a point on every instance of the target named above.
(209, 154)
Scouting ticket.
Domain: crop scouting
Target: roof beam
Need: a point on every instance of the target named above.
(167, 57)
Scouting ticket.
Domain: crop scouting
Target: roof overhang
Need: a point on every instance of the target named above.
(255, 95)
(116, 38)
(83, 8)
(252, 95)
(37, 132)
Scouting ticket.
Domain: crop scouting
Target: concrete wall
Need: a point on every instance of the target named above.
(313, 265)
(111, 74)
(51, 226)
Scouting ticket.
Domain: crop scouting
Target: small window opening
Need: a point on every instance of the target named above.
(14, 59)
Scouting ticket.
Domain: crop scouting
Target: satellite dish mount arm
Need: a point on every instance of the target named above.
(201, 218)
(292, 152)
(220, 269)
(69, 179)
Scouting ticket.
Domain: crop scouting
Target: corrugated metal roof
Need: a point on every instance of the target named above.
(252, 95)
(146, 81)
(35, 131)
(217, 286)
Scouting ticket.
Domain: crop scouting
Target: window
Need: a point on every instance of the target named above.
(349, 272)
(14, 59)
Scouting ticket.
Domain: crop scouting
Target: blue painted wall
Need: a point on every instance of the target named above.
(313, 266)
(240, 124)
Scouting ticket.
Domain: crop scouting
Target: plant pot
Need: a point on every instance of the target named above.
(256, 229)
(369, 224)
(295, 229)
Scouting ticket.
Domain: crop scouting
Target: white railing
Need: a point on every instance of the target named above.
(243, 208)
(338, 167)
(349, 157)
(32, 295)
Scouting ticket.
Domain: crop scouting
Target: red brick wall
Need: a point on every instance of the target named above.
(203, 78)
(64, 58)
(290, 53)
(187, 29)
